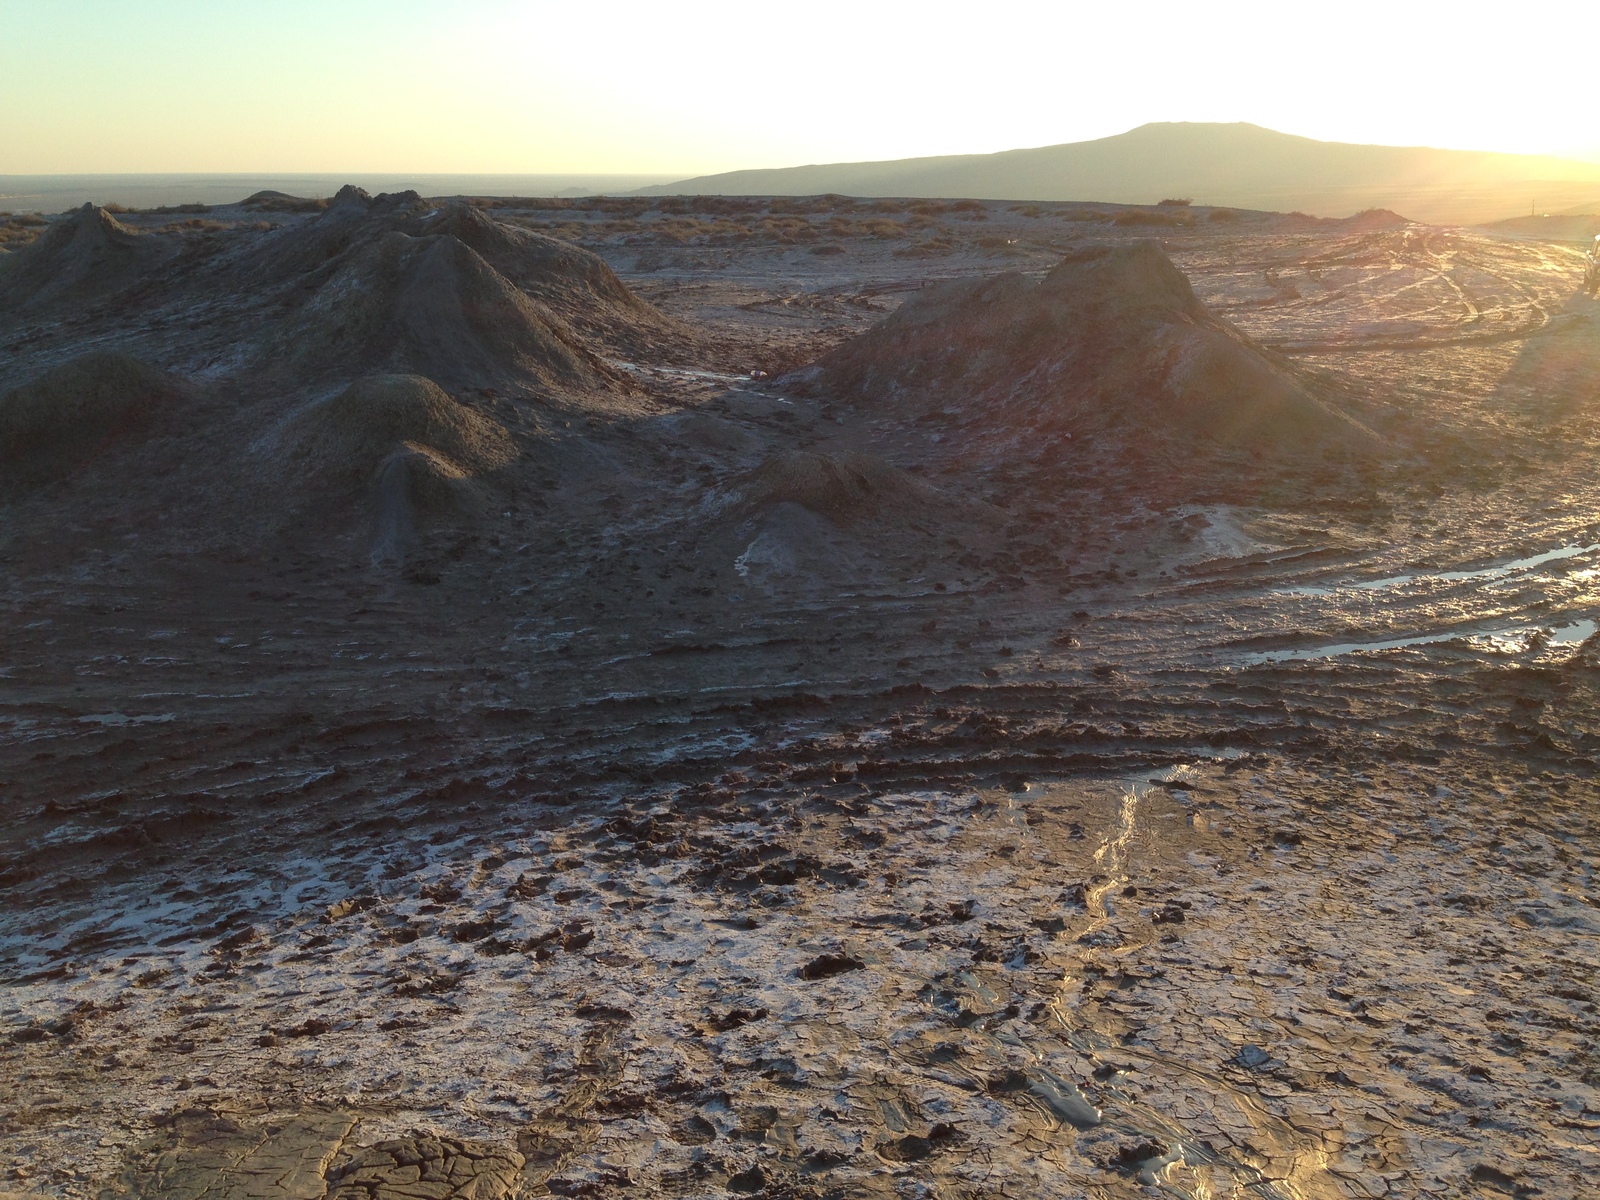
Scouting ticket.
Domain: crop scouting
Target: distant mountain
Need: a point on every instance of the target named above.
(1238, 165)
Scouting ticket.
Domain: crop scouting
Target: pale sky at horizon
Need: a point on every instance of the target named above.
(101, 86)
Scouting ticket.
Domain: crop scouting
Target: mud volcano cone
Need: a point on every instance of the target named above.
(434, 307)
(79, 258)
(566, 278)
(1111, 346)
(843, 489)
(525, 306)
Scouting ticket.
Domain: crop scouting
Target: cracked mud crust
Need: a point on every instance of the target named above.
(744, 792)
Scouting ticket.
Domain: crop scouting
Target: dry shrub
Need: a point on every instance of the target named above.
(880, 227)
(726, 205)
(1223, 214)
(1179, 202)
(679, 229)
(537, 203)
(935, 247)
(19, 231)
(1138, 216)
(280, 202)
(787, 229)
(807, 205)
(569, 231)
(626, 206)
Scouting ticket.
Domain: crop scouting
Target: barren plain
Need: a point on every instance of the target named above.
(796, 697)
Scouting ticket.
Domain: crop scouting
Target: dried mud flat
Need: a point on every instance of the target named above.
(764, 787)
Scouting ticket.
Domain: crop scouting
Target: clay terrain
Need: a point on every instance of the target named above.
(796, 697)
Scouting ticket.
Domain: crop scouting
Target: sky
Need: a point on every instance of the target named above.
(695, 86)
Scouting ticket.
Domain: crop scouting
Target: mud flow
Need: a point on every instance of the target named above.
(796, 698)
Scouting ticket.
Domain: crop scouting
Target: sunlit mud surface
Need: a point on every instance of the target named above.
(1226, 848)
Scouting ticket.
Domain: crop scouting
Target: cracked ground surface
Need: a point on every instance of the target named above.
(1228, 850)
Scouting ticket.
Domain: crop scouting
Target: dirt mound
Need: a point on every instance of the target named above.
(396, 444)
(69, 416)
(416, 486)
(82, 257)
(432, 306)
(842, 489)
(343, 439)
(1375, 218)
(1112, 347)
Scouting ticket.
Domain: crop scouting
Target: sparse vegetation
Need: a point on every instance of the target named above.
(1143, 216)
(278, 202)
(1182, 202)
(18, 230)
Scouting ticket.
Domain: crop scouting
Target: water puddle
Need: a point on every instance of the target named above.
(1414, 580)
(1511, 639)
(117, 719)
(680, 372)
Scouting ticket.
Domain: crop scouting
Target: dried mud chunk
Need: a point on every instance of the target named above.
(602, 1012)
(425, 1168)
(912, 1148)
(527, 888)
(734, 1018)
(1114, 1151)
(221, 1158)
(694, 1130)
(550, 1140)
(348, 906)
(825, 966)
(1495, 1180)
(427, 985)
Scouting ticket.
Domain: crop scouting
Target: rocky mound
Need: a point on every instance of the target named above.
(1111, 346)
(79, 258)
(432, 306)
(60, 422)
(842, 489)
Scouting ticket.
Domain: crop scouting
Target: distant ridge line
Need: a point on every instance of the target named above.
(1236, 165)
